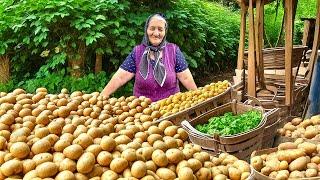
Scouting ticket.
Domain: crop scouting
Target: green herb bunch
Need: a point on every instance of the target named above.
(230, 124)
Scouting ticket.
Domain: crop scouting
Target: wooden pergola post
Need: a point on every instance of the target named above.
(259, 26)
(251, 54)
(244, 9)
(308, 31)
(288, 52)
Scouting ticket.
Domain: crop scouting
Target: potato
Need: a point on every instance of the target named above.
(315, 159)
(289, 127)
(154, 130)
(287, 145)
(164, 124)
(234, 173)
(65, 175)
(171, 130)
(185, 173)
(68, 164)
(7, 119)
(20, 150)
(41, 146)
(58, 157)
(174, 155)
(11, 167)
(311, 133)
(97, 171)
(266, 170)
(257, 163)
(122, 139)
(311, 173)
(160, 158)
(118, 165)
(107, 143)
(220, 177)
(274, 164)
(84, 140)
(109, 175)
(289, 155)
(86, 162)
(61, 144)
(73, 152)
(296, 174)
(296, 121)
(42, 157)
(95, 149)
(298, 164)
(194, 164)
(165, 173)
(139, 169)
(160, 145)
(30, 175)
(171, 142)
(129, 155)
(46, 169)
(153, 138)
(151, 166)
(309, 148)
(104, 158)
(203, 174)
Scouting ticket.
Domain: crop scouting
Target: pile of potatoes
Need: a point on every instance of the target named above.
(181, 101)
(298, 128)
(292, 160)
(85, 136)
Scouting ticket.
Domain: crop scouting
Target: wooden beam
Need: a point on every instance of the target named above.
(244, 10)
(259, 41)
(306, 32)
(315, 47)
(288, 51)
(251, 54)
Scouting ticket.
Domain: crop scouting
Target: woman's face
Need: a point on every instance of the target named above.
(156, 30)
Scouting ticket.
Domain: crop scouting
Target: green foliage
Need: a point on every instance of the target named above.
(273, 21)
(42, 37)
(230, 124)
(56, 81)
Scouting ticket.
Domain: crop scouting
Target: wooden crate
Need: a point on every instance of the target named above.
(240, 145)
(259, 176)
(200, 108)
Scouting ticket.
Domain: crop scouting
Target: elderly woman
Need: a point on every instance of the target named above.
(156, 64)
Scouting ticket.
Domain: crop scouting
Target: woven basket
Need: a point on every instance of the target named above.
(200, 108)
(258, 176)
(240, 145)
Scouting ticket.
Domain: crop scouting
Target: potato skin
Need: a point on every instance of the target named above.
(86, 163)
(46, 169)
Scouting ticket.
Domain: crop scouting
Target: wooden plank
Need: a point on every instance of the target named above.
(288, 51)
(251, 54)
(315, 46)
(241, 49)
(259, 41)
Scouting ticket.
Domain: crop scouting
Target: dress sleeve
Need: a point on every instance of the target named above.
(129, 63)
(181, 63)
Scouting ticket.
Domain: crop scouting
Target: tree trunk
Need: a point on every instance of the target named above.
(98, 66)
(76, 62)
(4, 69)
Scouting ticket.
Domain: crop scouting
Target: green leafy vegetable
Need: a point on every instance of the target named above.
(230, 124)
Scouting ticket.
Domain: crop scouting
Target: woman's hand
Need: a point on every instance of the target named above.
(185, 77)
(118, 79)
